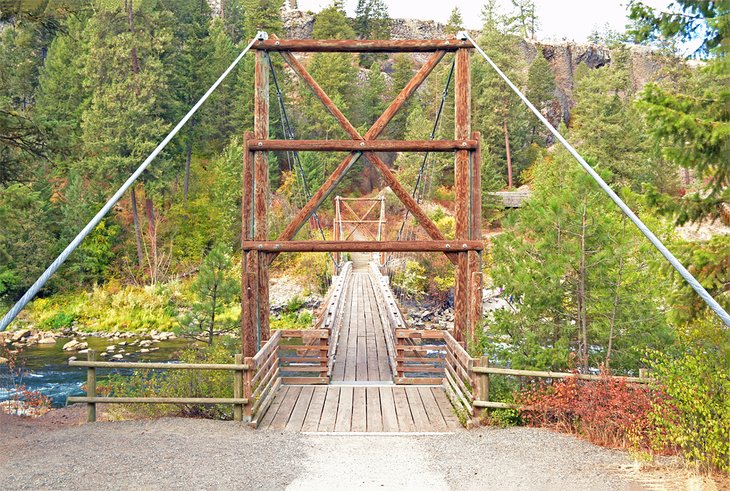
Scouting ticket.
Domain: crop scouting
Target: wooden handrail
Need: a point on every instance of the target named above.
(548, 374)
(157, 366)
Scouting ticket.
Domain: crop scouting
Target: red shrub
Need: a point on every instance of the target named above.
(607, 412)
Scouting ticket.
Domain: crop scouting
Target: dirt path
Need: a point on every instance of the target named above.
(194, 454)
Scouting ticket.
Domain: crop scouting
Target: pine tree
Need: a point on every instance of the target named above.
(497, 113)
(214, 290)
(525, 18)
(579, 278)
(372, 21)
(540, 88)
(402, 74)
(455, 22)
(124, 120)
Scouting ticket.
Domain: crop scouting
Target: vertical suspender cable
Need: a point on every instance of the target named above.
(691, 280)
(35, 288)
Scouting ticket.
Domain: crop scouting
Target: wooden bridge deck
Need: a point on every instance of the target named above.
(361, 396)
(348, 408)
(361, 353)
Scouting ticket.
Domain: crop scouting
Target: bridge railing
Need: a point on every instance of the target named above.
(390, 314)
(420, 355)
(333, 310)
(304, 356)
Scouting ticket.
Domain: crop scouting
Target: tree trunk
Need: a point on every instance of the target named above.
(152, 232)
(137, 231)
(616, 300)
(509, 154)
(582, 310)
(212, 317)
(188, 156)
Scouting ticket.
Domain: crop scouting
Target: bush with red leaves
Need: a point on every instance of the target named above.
(608, 412)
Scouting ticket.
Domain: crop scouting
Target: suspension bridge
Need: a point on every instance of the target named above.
(361, 368)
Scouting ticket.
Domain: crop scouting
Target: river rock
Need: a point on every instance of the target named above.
(3, 361)
(145, 344)
(72, 358)
(123, 343)
(118, 357)
(74, 345)
(111, 347)
(104, 354)
(144, 350)
(47, 340)
(83, 351)
(23, 333)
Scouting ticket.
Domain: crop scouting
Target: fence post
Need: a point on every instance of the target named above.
(643, 373)
(247, 389)
(238, 388)
(91, 387)
(484, 380)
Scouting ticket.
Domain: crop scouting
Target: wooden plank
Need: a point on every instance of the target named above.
(314, 411)
(418, 410)
(436, 419)
(361, 145)
(359, 410)
(343, 421)
(156, 400)
(374, 411)
(446, 409)
(296, 420)
(285, 408)
(402, 409)
(387, 405)
(438, 245)
(280, 395)
(361, 45)
(248, 278)
(329, 411)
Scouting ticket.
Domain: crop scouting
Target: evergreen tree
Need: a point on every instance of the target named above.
(372, 21)
(525, 18)
(215, 289)
(455, 22)
(578, 276)
(540, 89)
(402, 74)
(497, 113)
(372, 99)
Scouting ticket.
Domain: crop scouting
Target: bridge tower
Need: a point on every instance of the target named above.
(259, 252)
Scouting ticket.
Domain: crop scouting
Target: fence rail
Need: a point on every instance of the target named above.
(288, 356)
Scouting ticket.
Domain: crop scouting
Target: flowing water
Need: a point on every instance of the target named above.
(46, 367)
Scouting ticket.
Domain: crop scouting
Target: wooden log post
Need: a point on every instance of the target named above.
(475, 234)
(248, 298)
(261, 192)
(91, 388)
(336, 226)
(248, 389)
(238, 388)
(475, 304)
(462, 97)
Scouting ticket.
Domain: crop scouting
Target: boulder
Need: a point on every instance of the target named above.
(72, 358)
(74, 345)
(47, 340)
(118, 357)
(144, 350)
(22, 333)
(145, 344)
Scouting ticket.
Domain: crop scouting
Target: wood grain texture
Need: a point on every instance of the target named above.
(361, 145)
(361, 45)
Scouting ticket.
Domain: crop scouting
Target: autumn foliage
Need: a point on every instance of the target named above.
(609, 411)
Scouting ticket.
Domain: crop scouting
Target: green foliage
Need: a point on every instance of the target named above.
(214, 289)
(455, 22)
(694, 414)
(412, 279)
(58, 322)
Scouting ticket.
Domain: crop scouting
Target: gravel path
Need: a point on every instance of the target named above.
(194, 454)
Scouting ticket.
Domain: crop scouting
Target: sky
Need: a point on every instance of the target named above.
(559, 19)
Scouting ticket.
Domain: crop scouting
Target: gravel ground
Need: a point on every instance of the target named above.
(55, 453)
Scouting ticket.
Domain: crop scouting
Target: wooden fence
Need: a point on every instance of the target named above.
(420, 355)
(289, 356)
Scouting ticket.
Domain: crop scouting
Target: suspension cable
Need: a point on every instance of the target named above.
(35, 288)
(289, 134)
(691, 280)
(431, 137)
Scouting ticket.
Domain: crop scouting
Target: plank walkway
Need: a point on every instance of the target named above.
(361, 354)
(348, 408)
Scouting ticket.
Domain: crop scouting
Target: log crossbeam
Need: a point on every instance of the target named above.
(276, 246)
(362, 145)
(361, 45)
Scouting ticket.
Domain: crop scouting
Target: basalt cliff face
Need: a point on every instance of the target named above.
(564, 57)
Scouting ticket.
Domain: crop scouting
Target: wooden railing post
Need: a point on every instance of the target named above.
(248, 389)
(238, 388)
(484, 380)
(91, 388)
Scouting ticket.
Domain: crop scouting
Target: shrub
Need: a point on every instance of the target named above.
(694, 415)
(59, 321)
(608, 411)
